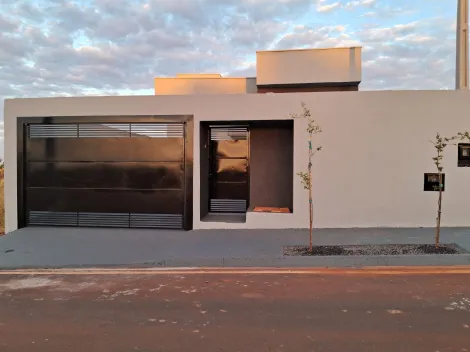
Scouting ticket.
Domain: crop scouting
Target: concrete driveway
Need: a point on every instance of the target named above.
(78, 247)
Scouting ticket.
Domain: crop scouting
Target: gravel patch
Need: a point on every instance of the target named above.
(379, 249)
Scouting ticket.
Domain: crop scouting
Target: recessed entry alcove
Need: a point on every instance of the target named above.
(245, 165)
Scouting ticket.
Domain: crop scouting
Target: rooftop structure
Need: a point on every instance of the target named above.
(280, 71)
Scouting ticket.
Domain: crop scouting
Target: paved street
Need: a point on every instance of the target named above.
(326, 311)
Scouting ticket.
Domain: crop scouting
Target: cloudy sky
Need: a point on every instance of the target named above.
(104, 47)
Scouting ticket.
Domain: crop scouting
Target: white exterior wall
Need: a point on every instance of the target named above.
(369, 174)
(337, 65)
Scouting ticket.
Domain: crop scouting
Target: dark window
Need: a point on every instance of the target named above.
(431, 182)
(464, 155)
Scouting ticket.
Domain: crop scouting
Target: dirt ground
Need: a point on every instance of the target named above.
(235, 312)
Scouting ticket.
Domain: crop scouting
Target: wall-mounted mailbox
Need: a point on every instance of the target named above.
(431, 182)
(464, 155)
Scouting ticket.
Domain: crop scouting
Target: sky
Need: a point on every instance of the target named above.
(116, 47)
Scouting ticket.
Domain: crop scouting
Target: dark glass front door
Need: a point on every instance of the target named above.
(229, 174)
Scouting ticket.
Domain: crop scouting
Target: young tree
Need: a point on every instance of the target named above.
(306, 177)
(439, 144)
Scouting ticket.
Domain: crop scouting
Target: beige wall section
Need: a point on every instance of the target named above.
(370, 172)
(309, 66)
(204, 84)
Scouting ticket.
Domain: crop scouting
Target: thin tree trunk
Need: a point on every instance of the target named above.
(310, 198)
(310, 247)
(439, 212)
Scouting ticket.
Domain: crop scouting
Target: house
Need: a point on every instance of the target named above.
(206, 151)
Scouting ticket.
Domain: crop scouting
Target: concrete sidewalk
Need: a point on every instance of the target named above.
(78, 247)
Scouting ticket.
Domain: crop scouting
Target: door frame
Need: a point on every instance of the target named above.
(187, 120)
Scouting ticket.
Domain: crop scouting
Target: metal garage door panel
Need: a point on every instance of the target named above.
(131, 175)
(166, 221)
(105, 149)
(106, 200)
(112, 174)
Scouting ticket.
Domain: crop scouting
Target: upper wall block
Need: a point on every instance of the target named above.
(203, 84)
(335, 66)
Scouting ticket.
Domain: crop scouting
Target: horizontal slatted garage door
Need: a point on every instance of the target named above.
(105, 175)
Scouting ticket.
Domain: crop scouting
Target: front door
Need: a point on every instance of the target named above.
(229, 173)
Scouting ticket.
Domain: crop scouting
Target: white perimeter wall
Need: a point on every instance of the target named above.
(369, 174)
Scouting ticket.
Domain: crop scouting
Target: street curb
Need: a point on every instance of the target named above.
(352, 261)
(277, 262)
(404, 270)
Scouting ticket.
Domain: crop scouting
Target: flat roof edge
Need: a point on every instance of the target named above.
(311, 84)
(215, 78)
(309, 49)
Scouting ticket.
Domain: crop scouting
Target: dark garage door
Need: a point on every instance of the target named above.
(105, 174)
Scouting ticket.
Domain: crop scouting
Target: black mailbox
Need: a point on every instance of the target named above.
(464, 155)
(431, 182)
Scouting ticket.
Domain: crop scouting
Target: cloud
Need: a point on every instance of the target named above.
(388, 12)
(316, 37)
(7, 24)
(328, 7)
(358, 3)
(415, 55)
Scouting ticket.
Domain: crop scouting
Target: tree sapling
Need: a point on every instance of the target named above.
(306, 177)
(439, 144)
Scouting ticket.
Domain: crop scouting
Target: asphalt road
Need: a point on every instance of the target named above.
(235, 312)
